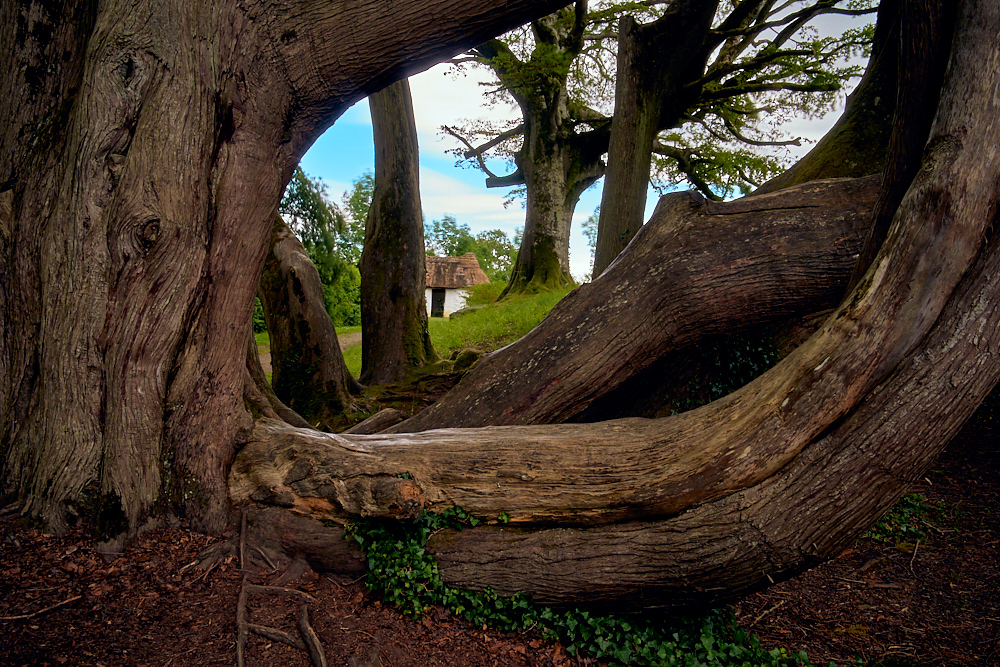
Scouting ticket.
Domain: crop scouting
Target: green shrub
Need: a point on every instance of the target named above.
(484, 294)
(906, 520)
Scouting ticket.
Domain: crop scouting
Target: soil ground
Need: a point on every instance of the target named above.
(929, 595)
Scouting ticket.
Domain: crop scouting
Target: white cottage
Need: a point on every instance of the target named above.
(448, 280)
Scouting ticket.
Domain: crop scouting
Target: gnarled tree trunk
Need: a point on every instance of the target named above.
(308, 370)
(394, 335)
(697, 268)
(146, 145)
(656, 63)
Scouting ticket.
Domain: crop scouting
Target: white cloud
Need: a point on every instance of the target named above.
(479, 208)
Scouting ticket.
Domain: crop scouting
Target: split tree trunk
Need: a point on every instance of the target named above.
(857, 144)
(697, 268)
(394, 335)
(308, 370)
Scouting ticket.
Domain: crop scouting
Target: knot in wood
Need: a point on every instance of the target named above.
(150, 233)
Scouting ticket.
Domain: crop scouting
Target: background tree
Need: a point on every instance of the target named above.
(330, 240)
(712, 134)
(700, 506)
(676, 511)
(760, 55)
(308, 372)
(394, 335)
(356, 203)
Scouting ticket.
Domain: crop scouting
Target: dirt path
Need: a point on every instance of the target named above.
(345, 340)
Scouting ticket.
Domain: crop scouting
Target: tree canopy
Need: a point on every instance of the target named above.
(770, 63)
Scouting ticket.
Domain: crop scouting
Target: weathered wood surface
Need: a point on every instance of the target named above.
(697, 268)
(750, 488)
(394, 335)
(146, 146)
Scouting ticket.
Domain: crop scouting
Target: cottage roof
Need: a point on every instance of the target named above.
(455, 272)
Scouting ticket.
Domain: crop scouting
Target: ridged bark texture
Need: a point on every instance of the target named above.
(394, 335)
(656, 64)
(145, 147)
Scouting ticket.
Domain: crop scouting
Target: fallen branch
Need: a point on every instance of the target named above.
(279, 590)
(40, 611)
(241, 625)
(274, 634)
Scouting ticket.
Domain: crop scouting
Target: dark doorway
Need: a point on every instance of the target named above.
(437, 302)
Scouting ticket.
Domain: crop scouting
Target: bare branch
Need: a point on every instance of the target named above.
(729, 92)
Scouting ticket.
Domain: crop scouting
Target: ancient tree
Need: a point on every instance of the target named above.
(394, 333)
(698, 81)
(754, 487)
(124, 250)
(146, 146)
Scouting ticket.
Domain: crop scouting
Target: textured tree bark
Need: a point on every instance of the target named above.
(656, 64)
(697, 508)
(928, 26)
(145, 149)
(308, 370)
(697, 268)
(394, 335)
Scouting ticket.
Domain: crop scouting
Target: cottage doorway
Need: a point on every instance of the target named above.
(437, 302)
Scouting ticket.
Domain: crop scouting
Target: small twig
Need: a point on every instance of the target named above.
(767, 612)
(241, 625)
(187, 567)
(914, 557)
(211, 567)
(264, 556)
(276, 635)
(40, 611)
(311, 639)
(243, 541)
(279, 590)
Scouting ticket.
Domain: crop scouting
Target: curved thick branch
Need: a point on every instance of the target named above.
(694, 270)
(327, 77)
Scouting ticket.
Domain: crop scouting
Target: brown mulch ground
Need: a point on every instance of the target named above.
(929, 602)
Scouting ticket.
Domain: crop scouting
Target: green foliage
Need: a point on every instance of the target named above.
(342, 297)
(330, 239)
(906, 520)
(406, 575)
(731, 136)
(449, 238)
(589, 229)
(259, 324)
(356, 203)
(729, 362)
(485, 294)
(315, 221)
